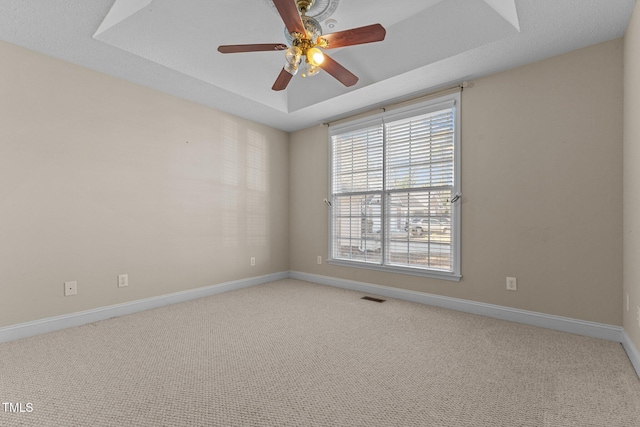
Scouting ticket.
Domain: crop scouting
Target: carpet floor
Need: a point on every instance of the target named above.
(292, 353)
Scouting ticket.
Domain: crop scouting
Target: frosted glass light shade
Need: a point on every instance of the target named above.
(308, 70)
(291, 68)
(293, 54)
(315, 56)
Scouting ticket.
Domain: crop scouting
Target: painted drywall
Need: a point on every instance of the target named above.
(632, 178)
(542, 191)
(100, 177)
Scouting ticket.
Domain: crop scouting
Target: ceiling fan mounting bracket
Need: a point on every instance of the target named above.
(318, 9)
(304, 5)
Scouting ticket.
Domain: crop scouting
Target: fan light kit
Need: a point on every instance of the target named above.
(304, 35)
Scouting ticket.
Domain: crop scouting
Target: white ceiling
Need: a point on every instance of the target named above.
(171, 46)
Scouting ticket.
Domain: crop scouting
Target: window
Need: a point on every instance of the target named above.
(394, 181)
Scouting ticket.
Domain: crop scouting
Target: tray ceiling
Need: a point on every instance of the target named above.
(171, 46)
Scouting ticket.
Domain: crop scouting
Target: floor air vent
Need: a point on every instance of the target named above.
(373, 299)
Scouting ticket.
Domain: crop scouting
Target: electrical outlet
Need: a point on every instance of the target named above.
(70, 288)
(638, 316)
(253, 261)
(511, 284)
(319, 259)
(123, 280)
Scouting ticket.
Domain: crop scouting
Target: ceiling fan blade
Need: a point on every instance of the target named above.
(289, 13)
(343, 75)
(283, 80)
(360, 35)
(237, 48)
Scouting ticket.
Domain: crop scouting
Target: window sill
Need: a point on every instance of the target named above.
(434, 274)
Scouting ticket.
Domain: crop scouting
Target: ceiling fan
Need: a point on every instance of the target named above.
(305, 38)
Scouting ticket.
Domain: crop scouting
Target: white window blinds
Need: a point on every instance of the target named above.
(357, 159)
(393, 180)
(357, 189)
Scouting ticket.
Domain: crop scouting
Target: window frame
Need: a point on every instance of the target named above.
(389, 115)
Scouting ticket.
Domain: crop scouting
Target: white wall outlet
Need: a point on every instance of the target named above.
(253, 261)
(511, 284)
(123, 280)
(319, 259)
(70, 288)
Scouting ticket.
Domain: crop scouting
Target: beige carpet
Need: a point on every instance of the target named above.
(291, 353)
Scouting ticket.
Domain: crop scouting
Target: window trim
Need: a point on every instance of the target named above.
(415, 109)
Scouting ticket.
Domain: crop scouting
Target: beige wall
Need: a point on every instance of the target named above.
(632, 176)
(542, 191)
(100, 177)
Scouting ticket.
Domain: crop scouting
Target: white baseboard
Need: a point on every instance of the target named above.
(632, 351)
(565, 324)
(558, 323)
(36, 327)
